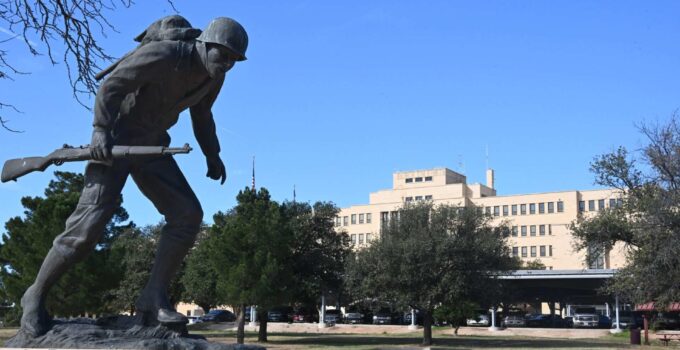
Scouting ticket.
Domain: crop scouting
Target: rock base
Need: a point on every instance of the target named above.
(118, 332)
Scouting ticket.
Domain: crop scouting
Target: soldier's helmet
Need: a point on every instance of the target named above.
(229, 33)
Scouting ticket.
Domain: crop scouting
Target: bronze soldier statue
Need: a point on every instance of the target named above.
(137, 103)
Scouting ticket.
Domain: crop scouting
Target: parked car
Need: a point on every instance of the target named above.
(568, 322)
(219, 316)
(604, 322)
(382, 317)
(354, 317)
(406, 318)
(332, 316)
(303, 314)
(479, 320)
(586, 317)
(194, 319)
(626, 320)
(515, 321)
(545, 321)
(666, 320)
(280, 314)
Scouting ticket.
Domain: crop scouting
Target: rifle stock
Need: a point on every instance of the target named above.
(16, 168)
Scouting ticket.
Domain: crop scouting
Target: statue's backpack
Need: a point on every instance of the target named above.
(173, 27)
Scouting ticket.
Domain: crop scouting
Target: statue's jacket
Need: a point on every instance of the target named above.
(143, 97)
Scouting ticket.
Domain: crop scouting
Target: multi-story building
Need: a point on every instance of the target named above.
(539, 222)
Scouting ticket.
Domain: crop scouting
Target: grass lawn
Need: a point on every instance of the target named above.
(290, 341)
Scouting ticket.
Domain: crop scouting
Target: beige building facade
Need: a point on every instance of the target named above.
(539, 222)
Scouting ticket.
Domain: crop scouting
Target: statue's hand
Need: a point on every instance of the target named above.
(100, 146)
(216, 169)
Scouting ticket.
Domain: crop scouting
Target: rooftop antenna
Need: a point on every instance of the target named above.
(293, 193)
(253, 173)
(461, 164)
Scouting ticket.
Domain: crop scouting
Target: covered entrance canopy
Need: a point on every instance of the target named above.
(565, 286)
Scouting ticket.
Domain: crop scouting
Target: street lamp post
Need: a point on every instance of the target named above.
(413, 325)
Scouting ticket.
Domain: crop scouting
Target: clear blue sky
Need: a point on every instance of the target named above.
(336, 96)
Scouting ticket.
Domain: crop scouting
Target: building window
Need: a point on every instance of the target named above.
(514, 209)
(428, 178)
(354, 219)
(533, 251)
(524, 231)
(560, 207)
(541, 230)
(338, 221)
(496, 211)
(541, 208)
(597, 258)
(368, 218)
(612, 203)
(345, 221)
(515, 251)
(394, 215)
(542, 250)
(523, 209)
(408, 199)
(591, 205)
(368, 237)
(487, 210)
(409, 180)
(419, 179)
(551, 207)
(384, 218)
(361, 238)
(524, 252)
(550, 229)
(505, 210)
(514, 231)
(581, 206)
(428, 197)
(354, 238)
(532, 208)
(600, 204)
(361, 218)
(549, 250)
(532, 230)
(419, 198)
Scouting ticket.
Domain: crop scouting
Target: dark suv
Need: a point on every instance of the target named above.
(219, 316)
(280, 314)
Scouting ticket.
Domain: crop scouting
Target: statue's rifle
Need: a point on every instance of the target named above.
(16, 168)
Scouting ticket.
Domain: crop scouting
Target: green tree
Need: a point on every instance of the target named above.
(319, 252)
(432, 255)
(645, 220)
(133, 253)
(200, 275)
(27, 240)
(252, 252)
(456, 314)
(535, 264)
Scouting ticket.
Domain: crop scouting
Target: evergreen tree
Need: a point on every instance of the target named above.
(319, 252)
(644, 220)
(252, 252)
(27, 240)
(200, 275)
(432, 255)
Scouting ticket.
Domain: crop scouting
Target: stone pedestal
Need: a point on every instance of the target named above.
(118, 332)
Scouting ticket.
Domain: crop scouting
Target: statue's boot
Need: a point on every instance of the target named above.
(35, 320)
(153, 304)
